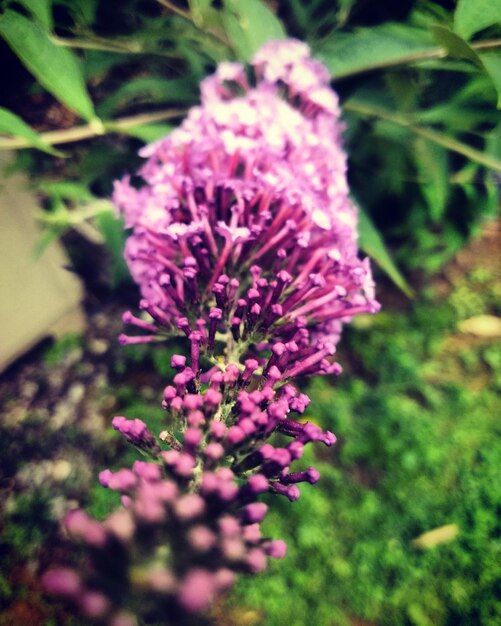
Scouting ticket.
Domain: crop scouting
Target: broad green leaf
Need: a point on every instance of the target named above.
(442, 139)
(66, 189)
(347, 4)
(370, 242)
(369, 49)
(249, 24)
(492, 64)
(56, 68)
(98, 63)
(148, 132)
(82, 11)
(493, 141)
(455, 45)
(457, 118)
(11, 124)
(204, 14)
(148, 89)
(405, 93)
(433, 166)
(112, 229)
(41, 9)
(47, 237)
(300, 12)
(55, 223)
(474, 90)
(490, 204)
(472, 16)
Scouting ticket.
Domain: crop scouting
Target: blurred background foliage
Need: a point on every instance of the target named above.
(85, 84)
(403, 528)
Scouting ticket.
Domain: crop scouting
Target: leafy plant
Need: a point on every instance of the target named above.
(419, 82)
(418, 451)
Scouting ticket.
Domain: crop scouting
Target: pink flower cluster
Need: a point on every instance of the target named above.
(199, 499)
(243, 224)
(243, 240)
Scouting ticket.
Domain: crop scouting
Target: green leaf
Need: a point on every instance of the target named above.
(56, 222)
(12, 124)
(369, 49)
(300, 12)
(148, 132)
(458, 119)
(57, 69)
(41, 9)
(112, 229)
(249, 24)
(46, 238)
(148, 89)
(492, 65)
(82, 11)
(204, 14)
(441, 139)
(433, 165)
(493, 141)
(65, 189)
(456, 46)
(472, 16)
(371, 243)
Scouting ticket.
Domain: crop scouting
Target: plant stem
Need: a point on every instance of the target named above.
(97, 44)
(488, 44)
(82, 213)
(109, 45)
(175, 9)
(416, 57)
(428, 133)
(188, 16)
(93, 129)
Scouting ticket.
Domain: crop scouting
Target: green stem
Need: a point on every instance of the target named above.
(432, 135)
(93, 129)
(77, 216)
(108, 45)
(175, 9)
(416, 57)
(97, 44)
(189, 17)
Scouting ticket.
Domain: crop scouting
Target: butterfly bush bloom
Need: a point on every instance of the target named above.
(191, 515)
(244, 241)
(243, 228)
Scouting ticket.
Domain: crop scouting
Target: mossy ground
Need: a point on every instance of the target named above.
(417, 417)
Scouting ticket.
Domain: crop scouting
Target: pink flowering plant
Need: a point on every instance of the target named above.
(243, 241)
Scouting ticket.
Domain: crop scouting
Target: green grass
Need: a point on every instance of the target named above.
(419, 447)
(417, 417)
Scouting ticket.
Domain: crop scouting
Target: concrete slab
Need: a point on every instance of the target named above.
(38, 296)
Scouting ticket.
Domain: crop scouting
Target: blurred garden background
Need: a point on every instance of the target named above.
(404, 527)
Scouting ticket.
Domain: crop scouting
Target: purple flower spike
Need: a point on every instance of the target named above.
(276, 549)
(123, 618)
(261, 184)
(136, 432)
(178, 362)
(93, 604)
(123, 480)
(244, 246)
(197, 590)
(80, 526)
(253, 513)
(311, 475)
(201, 538)
(256, 560)
(62, 582)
